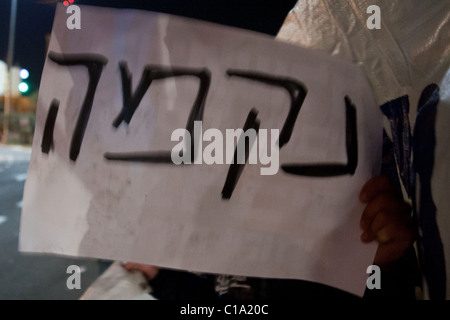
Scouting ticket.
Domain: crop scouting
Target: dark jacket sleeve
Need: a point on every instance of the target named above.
(182, 285)
(399, 283)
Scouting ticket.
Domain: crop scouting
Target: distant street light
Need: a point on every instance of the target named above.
(24, 74)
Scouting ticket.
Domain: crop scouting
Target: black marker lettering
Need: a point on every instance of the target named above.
(94, 64)
(296, 89)
(235, 170)
(47, 138)
(149, 157)
(131, 102)
(331, 169)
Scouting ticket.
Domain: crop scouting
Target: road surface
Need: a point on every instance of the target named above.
(31, 276)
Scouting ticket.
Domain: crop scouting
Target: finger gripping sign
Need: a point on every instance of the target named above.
(189, 145)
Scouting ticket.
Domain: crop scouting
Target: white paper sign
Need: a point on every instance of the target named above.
(84, 198)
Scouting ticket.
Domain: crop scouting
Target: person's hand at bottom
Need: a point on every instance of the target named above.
(148, 271)
(387, 219)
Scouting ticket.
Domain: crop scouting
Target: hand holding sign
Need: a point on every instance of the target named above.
(387, 219)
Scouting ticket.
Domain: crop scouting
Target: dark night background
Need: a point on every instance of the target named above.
(35, 19)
